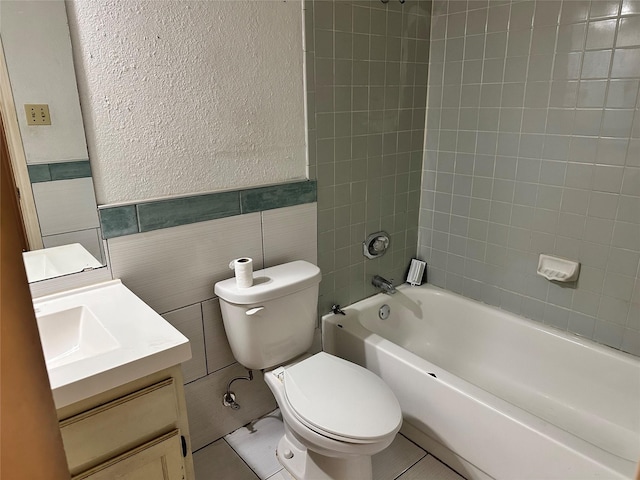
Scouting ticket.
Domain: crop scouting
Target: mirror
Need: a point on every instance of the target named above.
(50, 161)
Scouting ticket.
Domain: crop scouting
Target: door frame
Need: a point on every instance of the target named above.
(17, 159)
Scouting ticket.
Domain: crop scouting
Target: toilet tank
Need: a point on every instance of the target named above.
(272, 321)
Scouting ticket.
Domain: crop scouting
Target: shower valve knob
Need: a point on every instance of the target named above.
(380, 244)
(376, 244)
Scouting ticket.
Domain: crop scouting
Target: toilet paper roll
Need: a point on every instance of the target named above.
(243, 268)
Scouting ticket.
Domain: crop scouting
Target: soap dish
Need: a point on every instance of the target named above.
(558, 269)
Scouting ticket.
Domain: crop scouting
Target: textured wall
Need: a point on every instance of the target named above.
(183, 97)
(367, 69)
(38, 54)
(533, 146)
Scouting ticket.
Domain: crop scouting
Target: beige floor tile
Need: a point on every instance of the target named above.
(281, 475)
(431, 468)
(218, 461)
(395, 459)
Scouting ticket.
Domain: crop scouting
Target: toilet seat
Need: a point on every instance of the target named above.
(341, 400)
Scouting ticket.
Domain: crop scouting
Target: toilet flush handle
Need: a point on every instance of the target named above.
(254, 310)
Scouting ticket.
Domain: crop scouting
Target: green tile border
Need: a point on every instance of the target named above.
(148, 216)
(277, 196)
(180, 211)
(39, 173)
(70, 170)
(118, 221)
(50, 172)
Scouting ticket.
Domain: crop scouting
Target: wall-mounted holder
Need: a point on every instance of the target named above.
(416, 272)
(558, 269)
(375, 245)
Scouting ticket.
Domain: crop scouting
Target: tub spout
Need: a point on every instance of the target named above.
(382, 283)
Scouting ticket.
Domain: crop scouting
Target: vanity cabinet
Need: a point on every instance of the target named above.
(136, 431)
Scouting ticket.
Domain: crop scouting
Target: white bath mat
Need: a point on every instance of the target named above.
(257, 442)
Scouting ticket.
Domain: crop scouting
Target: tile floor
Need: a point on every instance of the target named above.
(249, 454)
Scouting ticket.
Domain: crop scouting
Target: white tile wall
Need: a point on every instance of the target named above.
(178, 266)
(281, 226)
(188, 321)
(209, 419)
(174, 271)
(218, 351)
(89, 239)
(66, 205)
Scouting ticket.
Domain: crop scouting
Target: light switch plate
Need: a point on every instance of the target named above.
(37, 114)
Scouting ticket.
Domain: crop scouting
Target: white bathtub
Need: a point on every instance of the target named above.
(495, 395)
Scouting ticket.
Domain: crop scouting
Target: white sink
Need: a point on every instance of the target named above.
(73, 334)
(56, 261)
(99, 337)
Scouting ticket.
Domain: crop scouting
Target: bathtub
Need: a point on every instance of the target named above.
(494, 395)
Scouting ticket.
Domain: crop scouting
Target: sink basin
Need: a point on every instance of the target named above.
(73, 334)
(102, 336)
(56, 261)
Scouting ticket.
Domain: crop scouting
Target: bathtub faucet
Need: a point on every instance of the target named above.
(382, 283)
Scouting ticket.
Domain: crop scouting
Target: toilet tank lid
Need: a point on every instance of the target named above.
(270, 283)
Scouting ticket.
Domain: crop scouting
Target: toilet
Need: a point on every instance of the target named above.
(336, 414)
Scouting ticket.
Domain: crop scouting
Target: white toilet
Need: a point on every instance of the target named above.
(336, 414)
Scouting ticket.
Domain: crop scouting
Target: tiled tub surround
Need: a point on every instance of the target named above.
(533, 146)
(174, 269)
(366, 95)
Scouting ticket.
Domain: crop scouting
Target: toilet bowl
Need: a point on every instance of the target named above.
(336, 414)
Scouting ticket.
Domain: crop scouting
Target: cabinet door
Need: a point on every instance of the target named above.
(94, 436)
(159, 459)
